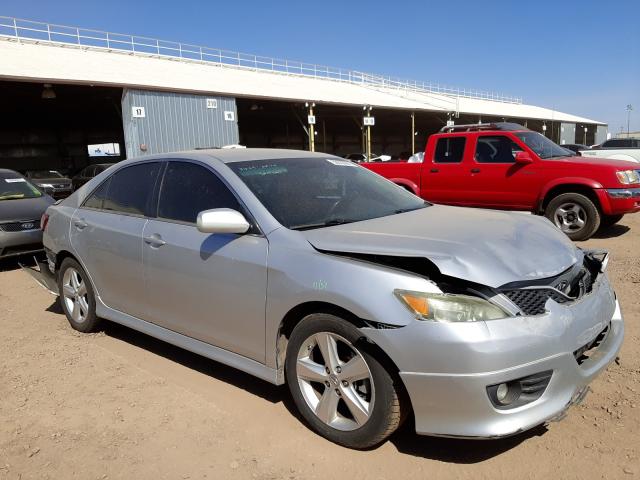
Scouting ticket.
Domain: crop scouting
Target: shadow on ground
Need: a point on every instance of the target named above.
(612, 231)
(405, 439)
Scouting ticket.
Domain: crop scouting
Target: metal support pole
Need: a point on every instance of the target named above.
(312, 133)
(368, 136)
(413, 133)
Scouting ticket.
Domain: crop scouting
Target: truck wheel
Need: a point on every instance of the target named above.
(342, 391)
(609, 220)
(575, 214)
(76, 296)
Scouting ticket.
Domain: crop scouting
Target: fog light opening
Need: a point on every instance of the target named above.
(515, 393)
(501, 393)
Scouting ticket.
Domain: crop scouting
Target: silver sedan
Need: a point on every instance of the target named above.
(368, 302)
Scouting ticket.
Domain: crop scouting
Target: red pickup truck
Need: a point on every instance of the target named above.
(507, 166)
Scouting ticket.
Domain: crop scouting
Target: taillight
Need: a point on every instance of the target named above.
(44, 220)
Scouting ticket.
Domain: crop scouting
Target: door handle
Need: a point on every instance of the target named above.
(154, 240)
(80, 224)
(434, 170)
(475, 170)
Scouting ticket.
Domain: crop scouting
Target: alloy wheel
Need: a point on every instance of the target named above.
(570, 217)
(335, 381)
(75, 295)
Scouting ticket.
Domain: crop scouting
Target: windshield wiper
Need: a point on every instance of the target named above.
(328, 223)
(405, 210)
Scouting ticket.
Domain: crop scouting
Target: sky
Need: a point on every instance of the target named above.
(579, 57)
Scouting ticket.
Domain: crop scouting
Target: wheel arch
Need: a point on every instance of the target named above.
(296, 314)
(407, 184)
(586, 188)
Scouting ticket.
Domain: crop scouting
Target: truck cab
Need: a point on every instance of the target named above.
(507, 166)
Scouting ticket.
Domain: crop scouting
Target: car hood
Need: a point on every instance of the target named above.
(24, 209)
(589, 161)
(489, 247)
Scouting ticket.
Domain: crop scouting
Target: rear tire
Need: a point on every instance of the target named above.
(350, 399)
(77, 297)
(575, 214)
(609, 220)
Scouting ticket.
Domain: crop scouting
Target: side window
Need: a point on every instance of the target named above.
(96, 200)
(496, 149)
(131, 188)
(449, 150)
(188, 189)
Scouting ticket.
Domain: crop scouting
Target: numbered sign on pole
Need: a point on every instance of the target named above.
(369, 121)
(229, 116)
(137, 112)
(311, 119)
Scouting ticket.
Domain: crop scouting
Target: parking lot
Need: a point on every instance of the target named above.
(119, 404)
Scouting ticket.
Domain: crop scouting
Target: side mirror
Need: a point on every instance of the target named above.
(222, 220)
(523, 157)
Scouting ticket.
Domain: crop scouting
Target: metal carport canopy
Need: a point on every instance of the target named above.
(55, 63)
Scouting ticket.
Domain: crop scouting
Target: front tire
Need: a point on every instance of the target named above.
(342, 391)
(575, 214)
(77, 297)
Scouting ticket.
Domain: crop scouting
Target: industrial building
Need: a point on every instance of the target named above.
(69, 94)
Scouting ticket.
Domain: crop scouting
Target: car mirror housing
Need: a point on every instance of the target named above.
(222, 220)
(524, 157)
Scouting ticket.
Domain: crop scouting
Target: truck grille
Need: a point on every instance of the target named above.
(20, 226)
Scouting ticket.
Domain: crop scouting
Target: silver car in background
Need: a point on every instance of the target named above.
(306, 269)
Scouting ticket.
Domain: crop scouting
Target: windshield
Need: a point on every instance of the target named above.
(45, 174)
(540, 144)
(306, 193)
(16, 188)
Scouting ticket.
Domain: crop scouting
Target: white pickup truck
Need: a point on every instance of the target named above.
(616, 149)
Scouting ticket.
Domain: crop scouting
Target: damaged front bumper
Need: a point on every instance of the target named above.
(450, 370)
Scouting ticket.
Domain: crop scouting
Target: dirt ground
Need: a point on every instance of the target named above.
(118, 404)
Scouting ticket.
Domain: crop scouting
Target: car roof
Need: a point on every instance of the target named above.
(230, 155)
(6, 173)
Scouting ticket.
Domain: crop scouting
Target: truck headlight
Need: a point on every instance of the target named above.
(627, 177)
(443, 307)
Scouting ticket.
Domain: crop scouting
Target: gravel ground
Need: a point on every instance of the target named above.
(118, 404)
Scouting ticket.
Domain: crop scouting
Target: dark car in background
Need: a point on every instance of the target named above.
(575, 147)
(51, 182)
(87, 173)
(21, 207)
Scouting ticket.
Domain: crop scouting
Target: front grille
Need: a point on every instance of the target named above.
(20, 226)
(583, 353)
(565, 288)
(532, 301)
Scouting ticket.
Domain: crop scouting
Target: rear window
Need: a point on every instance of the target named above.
(618, 143)
(130, 189)
(188, 189)
(449, 150)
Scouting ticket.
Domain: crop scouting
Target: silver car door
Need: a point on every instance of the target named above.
(211, 287)
(106, 233)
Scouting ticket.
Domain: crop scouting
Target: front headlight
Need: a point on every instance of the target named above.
(46, 185)
(627, 177)
(443, 307)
